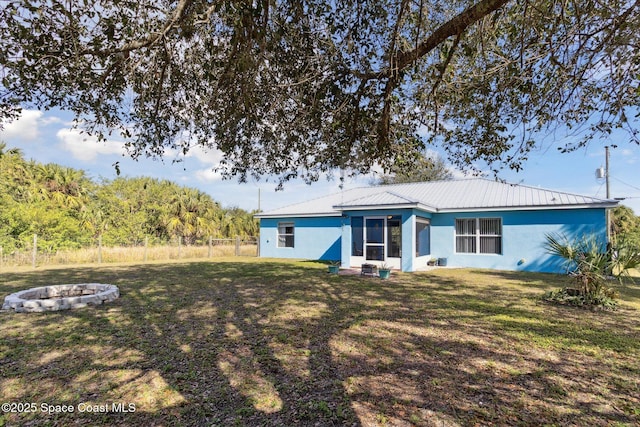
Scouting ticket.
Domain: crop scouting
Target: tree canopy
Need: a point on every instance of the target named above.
(66, 209)
(298, 88)
(425, 168)
(626, 225)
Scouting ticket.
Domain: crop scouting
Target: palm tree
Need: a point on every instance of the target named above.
(247, 225)
(191, 215)
(10, 152)
(15, 173)
(63, 185)
(227, 224)
(94, 219)
(592, 265)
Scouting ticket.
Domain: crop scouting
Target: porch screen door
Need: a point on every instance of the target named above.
(394, 236)
(374, 244)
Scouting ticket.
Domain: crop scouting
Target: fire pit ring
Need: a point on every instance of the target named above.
(60, 297)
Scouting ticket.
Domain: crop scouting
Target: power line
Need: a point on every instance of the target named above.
(626, 183)
(599, 188)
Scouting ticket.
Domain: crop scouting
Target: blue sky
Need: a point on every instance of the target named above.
(48, 137)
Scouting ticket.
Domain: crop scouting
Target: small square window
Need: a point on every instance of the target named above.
(286, 231)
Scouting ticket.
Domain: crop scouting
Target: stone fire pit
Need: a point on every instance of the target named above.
(60, 297)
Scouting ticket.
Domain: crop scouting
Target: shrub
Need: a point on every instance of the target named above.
(567, 296)
(593, 267)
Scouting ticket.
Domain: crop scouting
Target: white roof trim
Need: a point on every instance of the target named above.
(298, 215)
(375, 207)
(530, 208)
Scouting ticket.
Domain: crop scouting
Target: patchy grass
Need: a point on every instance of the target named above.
(269, 343)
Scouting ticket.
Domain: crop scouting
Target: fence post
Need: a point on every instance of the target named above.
(237, 245)
(210, 249)
(100, 249)
(179, 247)
(35, 251)
(146, 243)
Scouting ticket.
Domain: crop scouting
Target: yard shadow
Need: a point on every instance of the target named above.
(285, 343)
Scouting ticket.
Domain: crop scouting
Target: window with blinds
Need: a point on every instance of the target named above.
(490, 235)
(479, 235)
(285, 234)
(466, 235)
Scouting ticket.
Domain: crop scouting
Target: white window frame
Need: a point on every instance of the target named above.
(423, 221)
(282, 243)
(382, 245)
(478, 236)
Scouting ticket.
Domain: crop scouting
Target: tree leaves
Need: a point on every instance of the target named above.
(301, 88)
(419, 169)
(68, 210)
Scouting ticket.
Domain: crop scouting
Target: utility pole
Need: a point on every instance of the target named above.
(606, 175)
(607, 211)
(606, 170)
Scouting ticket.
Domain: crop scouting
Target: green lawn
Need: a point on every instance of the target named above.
(270, 343)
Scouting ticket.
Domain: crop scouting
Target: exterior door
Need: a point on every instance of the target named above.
(374, 239)
(394, 236)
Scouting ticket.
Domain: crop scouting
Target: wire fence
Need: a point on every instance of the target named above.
(145, 252)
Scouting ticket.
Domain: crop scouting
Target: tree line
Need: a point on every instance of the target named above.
(626, 225)
(69, 210)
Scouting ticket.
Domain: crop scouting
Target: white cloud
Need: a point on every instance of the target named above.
(457, 173)
(208, 175)
(85, 147)
(53, 120)
(207, 156)
(25, 128)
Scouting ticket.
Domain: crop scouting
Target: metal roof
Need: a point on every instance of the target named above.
(477, 194)
(379, 199)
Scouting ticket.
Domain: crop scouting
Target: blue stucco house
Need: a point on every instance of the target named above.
(467, 222)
